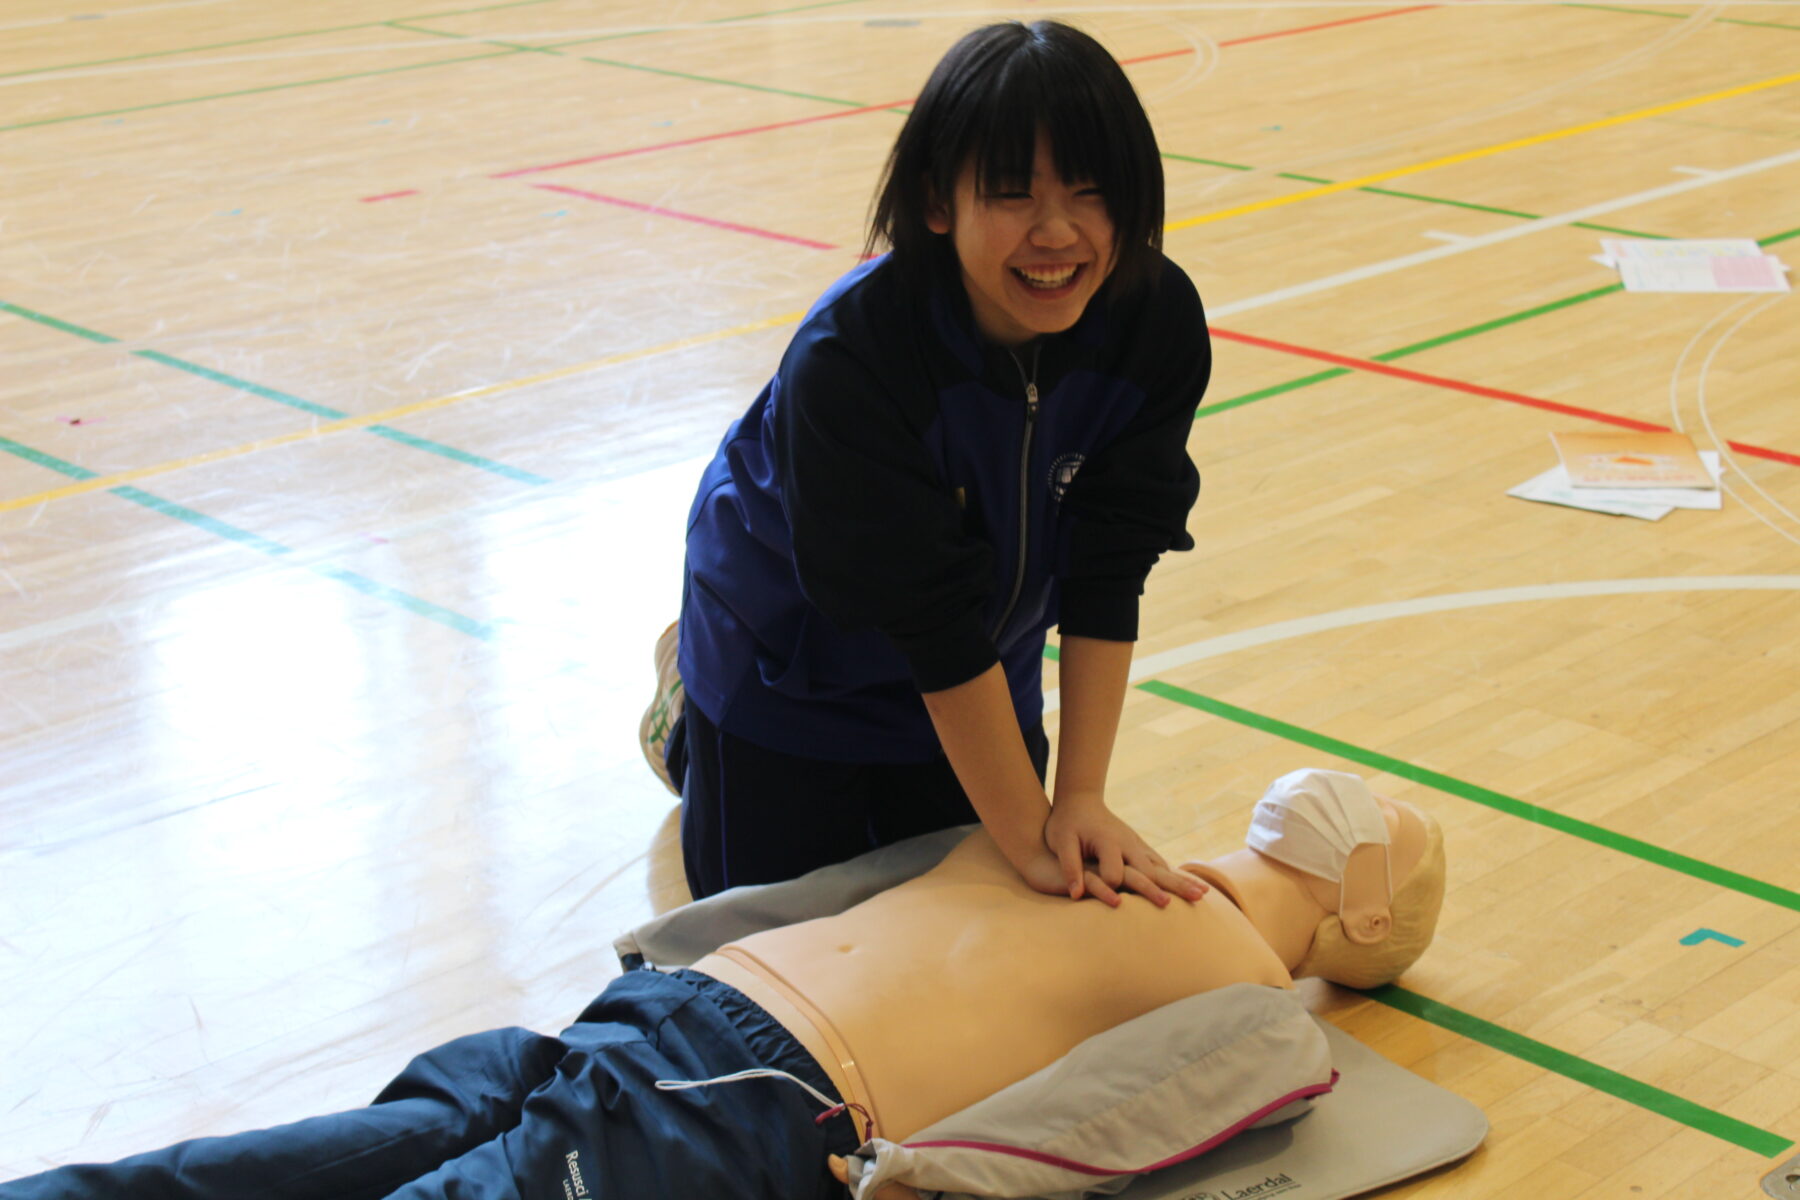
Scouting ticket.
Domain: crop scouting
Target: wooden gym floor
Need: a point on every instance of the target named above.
(357, 359)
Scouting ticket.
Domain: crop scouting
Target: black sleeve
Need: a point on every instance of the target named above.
(878, 537)
(1130, 501)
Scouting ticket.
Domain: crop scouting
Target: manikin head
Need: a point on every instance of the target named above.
(1365, 873)
(1367, 947)
(1026, 157)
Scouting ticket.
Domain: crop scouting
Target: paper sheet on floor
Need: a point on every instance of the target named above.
(1700, 265)
(1647, 504)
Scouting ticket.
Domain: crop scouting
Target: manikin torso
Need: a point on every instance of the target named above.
(953, 985)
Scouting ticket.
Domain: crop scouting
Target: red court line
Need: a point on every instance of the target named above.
(694, 141)
(390, 195)
(1263, 37)
(851, 112)
(681, 216)
(1475, 389)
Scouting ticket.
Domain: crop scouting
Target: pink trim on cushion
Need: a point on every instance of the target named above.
(1069, 1164)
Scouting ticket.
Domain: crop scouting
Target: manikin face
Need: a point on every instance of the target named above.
(1031, 260)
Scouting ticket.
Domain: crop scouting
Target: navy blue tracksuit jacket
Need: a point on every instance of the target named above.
(906, 504)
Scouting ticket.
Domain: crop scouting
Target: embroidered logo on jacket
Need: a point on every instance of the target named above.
(1062, 473)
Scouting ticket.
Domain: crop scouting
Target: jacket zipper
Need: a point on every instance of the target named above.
(1031, 411)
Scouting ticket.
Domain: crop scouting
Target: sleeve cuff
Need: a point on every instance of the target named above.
(948, 657)
(1098, 612)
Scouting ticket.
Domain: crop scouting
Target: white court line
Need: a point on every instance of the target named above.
(1702, 172)
(1373, 270)
(1723, 446)
(103, 14)
(1230, 643)
(912, 17)
(1440, 236)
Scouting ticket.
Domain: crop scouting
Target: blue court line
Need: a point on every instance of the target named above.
(485, 630)
(279, 397)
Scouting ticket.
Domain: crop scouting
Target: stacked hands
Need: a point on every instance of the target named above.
(1085, 850)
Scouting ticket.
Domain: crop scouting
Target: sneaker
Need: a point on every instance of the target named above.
(665, 707)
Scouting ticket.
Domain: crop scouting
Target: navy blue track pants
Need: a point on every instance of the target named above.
(513, 1115)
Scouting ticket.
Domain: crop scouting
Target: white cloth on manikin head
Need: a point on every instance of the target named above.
(1312, 819)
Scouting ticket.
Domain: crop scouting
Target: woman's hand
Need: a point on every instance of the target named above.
(1097, 854)
(1043, 873)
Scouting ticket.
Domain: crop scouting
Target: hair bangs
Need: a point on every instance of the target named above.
(984, 106)
(1027, 102)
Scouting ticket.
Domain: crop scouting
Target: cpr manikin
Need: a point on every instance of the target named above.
(930, 996)
(915, 1005)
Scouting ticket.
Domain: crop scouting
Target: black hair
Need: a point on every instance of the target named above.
(985, 103)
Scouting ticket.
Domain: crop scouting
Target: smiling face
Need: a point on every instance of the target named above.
(1032, 254)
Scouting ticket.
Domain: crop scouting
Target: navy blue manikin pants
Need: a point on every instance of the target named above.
(514, 1115)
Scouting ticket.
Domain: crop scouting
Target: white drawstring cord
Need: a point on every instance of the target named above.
(832, 1107)
(679, 1085)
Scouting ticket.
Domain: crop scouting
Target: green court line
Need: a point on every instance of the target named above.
(463, 12)
(645, 33)
(125, 58)
(551, 48)
(558, 48)
(1206, 162)
(334, 414)
(1219, 406)
(1456, 335)
(1651, 12)
(754, 87)
(1604, 1079)
(53, 323)
(484, 630)
(774, 12)
(1591, 1074)
(273, 37)
(1471, 206)
(508, 50)
(1379, 191)
(1633, 1091)
(1550, 819)
(273, 87)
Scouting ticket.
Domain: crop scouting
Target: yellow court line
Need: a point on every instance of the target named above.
(107, 482)
(1468, 155)
(404, 410)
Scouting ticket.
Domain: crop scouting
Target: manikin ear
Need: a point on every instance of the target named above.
(1363, 901)
(1367, 927)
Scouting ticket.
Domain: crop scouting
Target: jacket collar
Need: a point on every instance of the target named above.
(953, 320)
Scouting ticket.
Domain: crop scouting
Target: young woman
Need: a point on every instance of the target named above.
(972, 438)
